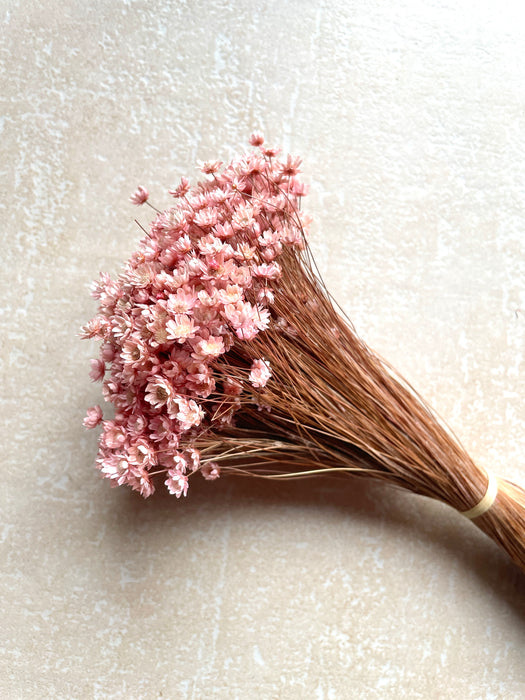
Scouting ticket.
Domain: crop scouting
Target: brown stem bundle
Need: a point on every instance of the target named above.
(334, 405)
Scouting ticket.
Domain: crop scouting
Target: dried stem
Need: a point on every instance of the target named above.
(335, 406)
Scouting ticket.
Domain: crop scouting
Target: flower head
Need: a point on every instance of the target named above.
(256, 139)
(180, 358)
(158, 392)
(211, 471)
(182, 189)
(140, 196)
(260, 373)
(98, 368)
(177, 483)
(93, 417)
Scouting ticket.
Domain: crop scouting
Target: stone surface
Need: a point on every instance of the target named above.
(410, 119)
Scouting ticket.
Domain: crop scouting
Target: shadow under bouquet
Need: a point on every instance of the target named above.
(223, 353)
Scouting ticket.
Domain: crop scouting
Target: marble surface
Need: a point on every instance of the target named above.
(410, 117)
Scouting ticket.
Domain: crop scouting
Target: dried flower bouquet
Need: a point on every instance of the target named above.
(223, 353)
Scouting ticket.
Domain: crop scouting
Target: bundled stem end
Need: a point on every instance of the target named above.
(504, 522)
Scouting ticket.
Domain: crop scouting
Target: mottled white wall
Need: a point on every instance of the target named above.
(410, 117)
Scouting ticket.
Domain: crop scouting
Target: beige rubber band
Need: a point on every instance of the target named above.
(487, 500)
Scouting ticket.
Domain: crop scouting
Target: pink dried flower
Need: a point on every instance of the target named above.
(243, 217)
(265, 296)
(211, 471)
(181, 328)
(182, 302)
(189, 413)
(206, 218)
(291, 167)
(256, 139)
(260, 373)
(134, 350)
(270, 271)
(209, 348)
(177, 483)
(98, 369)
(144, 485)
(180, 463)
(140, 196)
(232, 387)
(142, 453)
(194, 459)
(270, 152)
(96, 328)
(93, 417)
(158, 392)
(107, 352)
(210, 166)
(113, 436)
(182, 190)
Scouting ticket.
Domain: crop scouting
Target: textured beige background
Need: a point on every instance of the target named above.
(411, 120)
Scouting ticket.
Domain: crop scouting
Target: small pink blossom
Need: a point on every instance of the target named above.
(93, 417)
(98, 369)
(210, 245)
(243, 218)
(291, 167)
(208, 299)
(270, 271)
(179, 277)
(270, 152)
(209, 348)
(211, 471)
(134, 350)
(142, 453)
(189, 413)
(179, 462)
(182, 302)
(260, 373)
(115, 467)
(241, 275)
(158, 392)
(183, 244)
(177, 483)
(245, 252)
(210, 166)
(224, 231)
(246, 319)
(96, 328)
(137, 424)
(181, 328)
(206, 218)
(140, 196)
(121, 326)
(199, 379)
(113, 436)
(232, 387)
(231, 294)
(194, 459)
(107, 352)
(144, 486)
(265, 296)
(256, 139)
(195, 267)
(182, 189)
(299, 189)
(160, 427)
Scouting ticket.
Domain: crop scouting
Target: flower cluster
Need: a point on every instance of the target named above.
(199, 288)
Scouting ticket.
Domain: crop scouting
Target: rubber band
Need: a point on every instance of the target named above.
(487, 500)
